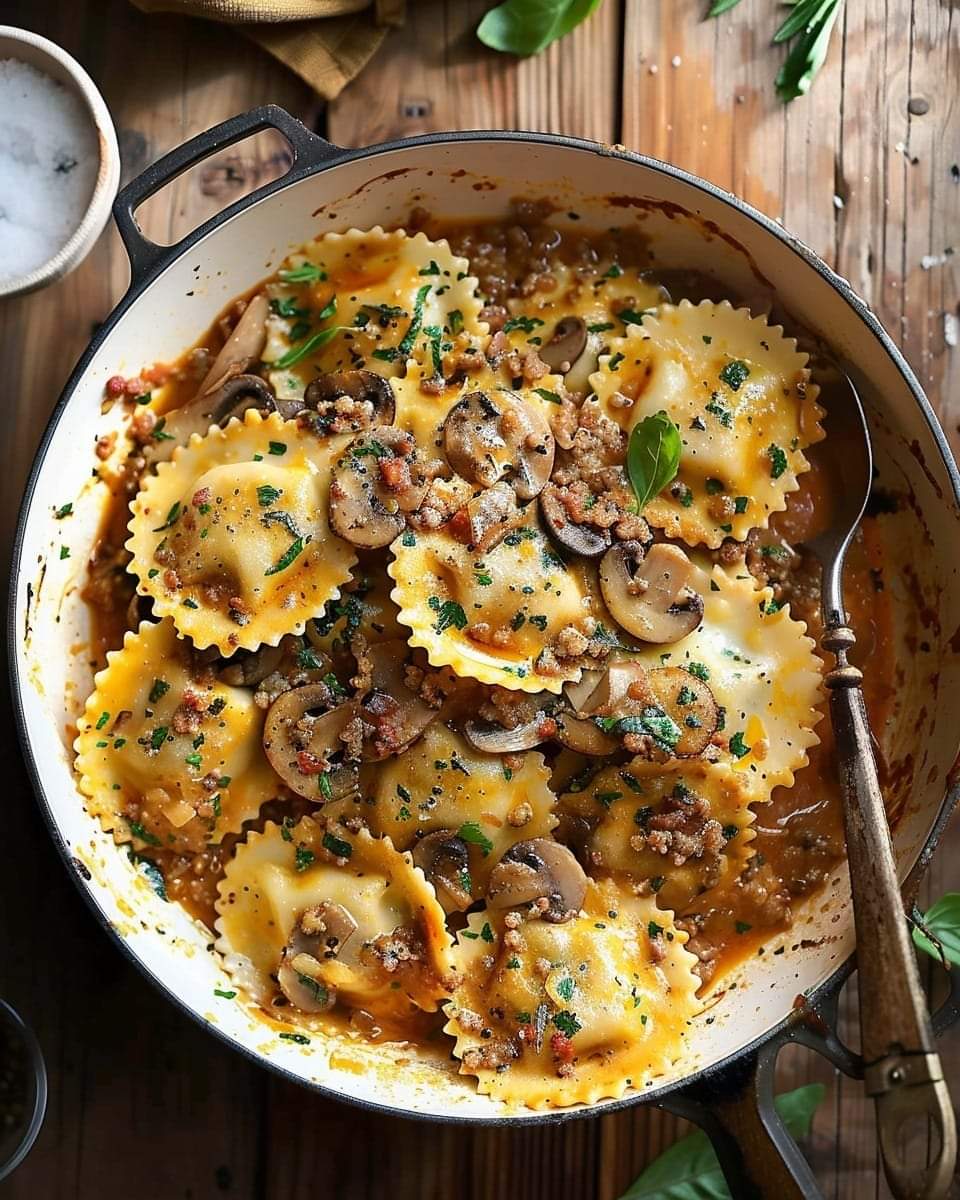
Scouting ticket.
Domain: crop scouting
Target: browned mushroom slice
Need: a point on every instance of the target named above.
(379, 478)
(485, 520)
(566, 344)
(583, 735)
(350, 401)
(490, 436)
(319, 935)
(493, 738)
(235, 395)
(304, 742)
(444, 859)
(248, 667)
(689, 702)
(536, 871)
(393, 716)
(585, 540)
(648, 593)
(242, 347)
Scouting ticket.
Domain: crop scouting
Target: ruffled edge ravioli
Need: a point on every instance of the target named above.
(275, 875)
(762, 669)
(106, 741)
(442, 782)
(377, 310)
(616, 800)
(740, 393)
(635, 1010)
(439, 594)
(284, 598)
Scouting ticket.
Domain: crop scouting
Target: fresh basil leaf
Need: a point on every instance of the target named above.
(689, 1169)
(721, 6)
(809, 52)
(653, 456)
(941, 921)
(529, 26)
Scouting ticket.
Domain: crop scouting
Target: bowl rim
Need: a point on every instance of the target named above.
(333, 156)
(97, 212)
(36, 1065)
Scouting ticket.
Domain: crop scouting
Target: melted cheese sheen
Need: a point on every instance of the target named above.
(240, 519)
(632, 1012)
(441, 782)
(739, 393)
(130, 756)
(520, 592)
(275, 875)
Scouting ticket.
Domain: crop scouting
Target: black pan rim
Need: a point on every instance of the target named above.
(335, 157)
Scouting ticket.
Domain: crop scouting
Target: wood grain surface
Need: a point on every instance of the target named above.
(144, 1104)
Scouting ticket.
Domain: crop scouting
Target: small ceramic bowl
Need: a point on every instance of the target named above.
(48, 57)
(24, 1095)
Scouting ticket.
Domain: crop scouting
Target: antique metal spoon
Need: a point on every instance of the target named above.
(902, 1070)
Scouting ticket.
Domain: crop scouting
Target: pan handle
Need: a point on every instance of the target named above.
(146, 257)
(735, 1109)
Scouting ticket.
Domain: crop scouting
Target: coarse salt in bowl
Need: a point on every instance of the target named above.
(59, 162)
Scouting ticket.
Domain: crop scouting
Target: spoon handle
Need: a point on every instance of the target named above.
(902, 1069)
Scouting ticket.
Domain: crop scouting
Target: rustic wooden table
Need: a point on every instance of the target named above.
(864, 170)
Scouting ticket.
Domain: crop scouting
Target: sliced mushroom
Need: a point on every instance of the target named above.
(246, 668)
(539, 870)
(492, 738)
(243, 347)
(689, 702)
(330, 397)
(379, 478)
(567, 343)
(485, 520)
(648, 593)
(320, 934)
(393, 716)
(444, 859)
(585, 540)
(583, 735)
(235, 395)
(303, 742)
(489, 436)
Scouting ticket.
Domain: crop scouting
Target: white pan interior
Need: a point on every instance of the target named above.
(604, 189)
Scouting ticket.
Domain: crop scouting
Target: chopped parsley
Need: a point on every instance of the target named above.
(550, 397)
(487, 933)
(738, 747)
(307, 272)
(267, 495)
(699, 670)
(735, 374)
(64, 552)
(63, 511)
(224, 994)
(337, 846)
(406, 344)
(686, 696)
(456, 321)
(140, 831)
(158, 691)
(449, 613)
(300, 1038)
(431, 269)
(523, 323)
(567, 1023)
(471, 832)
(171, 517)
(742, 926)
(278, 448)
(565, 988)
(630, 317)
(778, 460)
(740, 503)
(158, 737)
(303, 856)
(615, 362)
(289, 556)
(614, 271)
(302, 349)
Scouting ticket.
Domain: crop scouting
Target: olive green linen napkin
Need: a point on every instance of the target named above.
(327, 42)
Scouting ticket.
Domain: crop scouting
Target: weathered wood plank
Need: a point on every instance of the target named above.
(434, 74)
(141, 1099)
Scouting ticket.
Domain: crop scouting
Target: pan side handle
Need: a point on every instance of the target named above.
(146, 257)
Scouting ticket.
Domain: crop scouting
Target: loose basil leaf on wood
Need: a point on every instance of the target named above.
(689, 1169)
(814, 24)
(529, 26)
(941, 921)
(721, 6)
(653, 456)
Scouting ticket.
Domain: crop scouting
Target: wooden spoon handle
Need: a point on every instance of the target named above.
(903, 1071)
